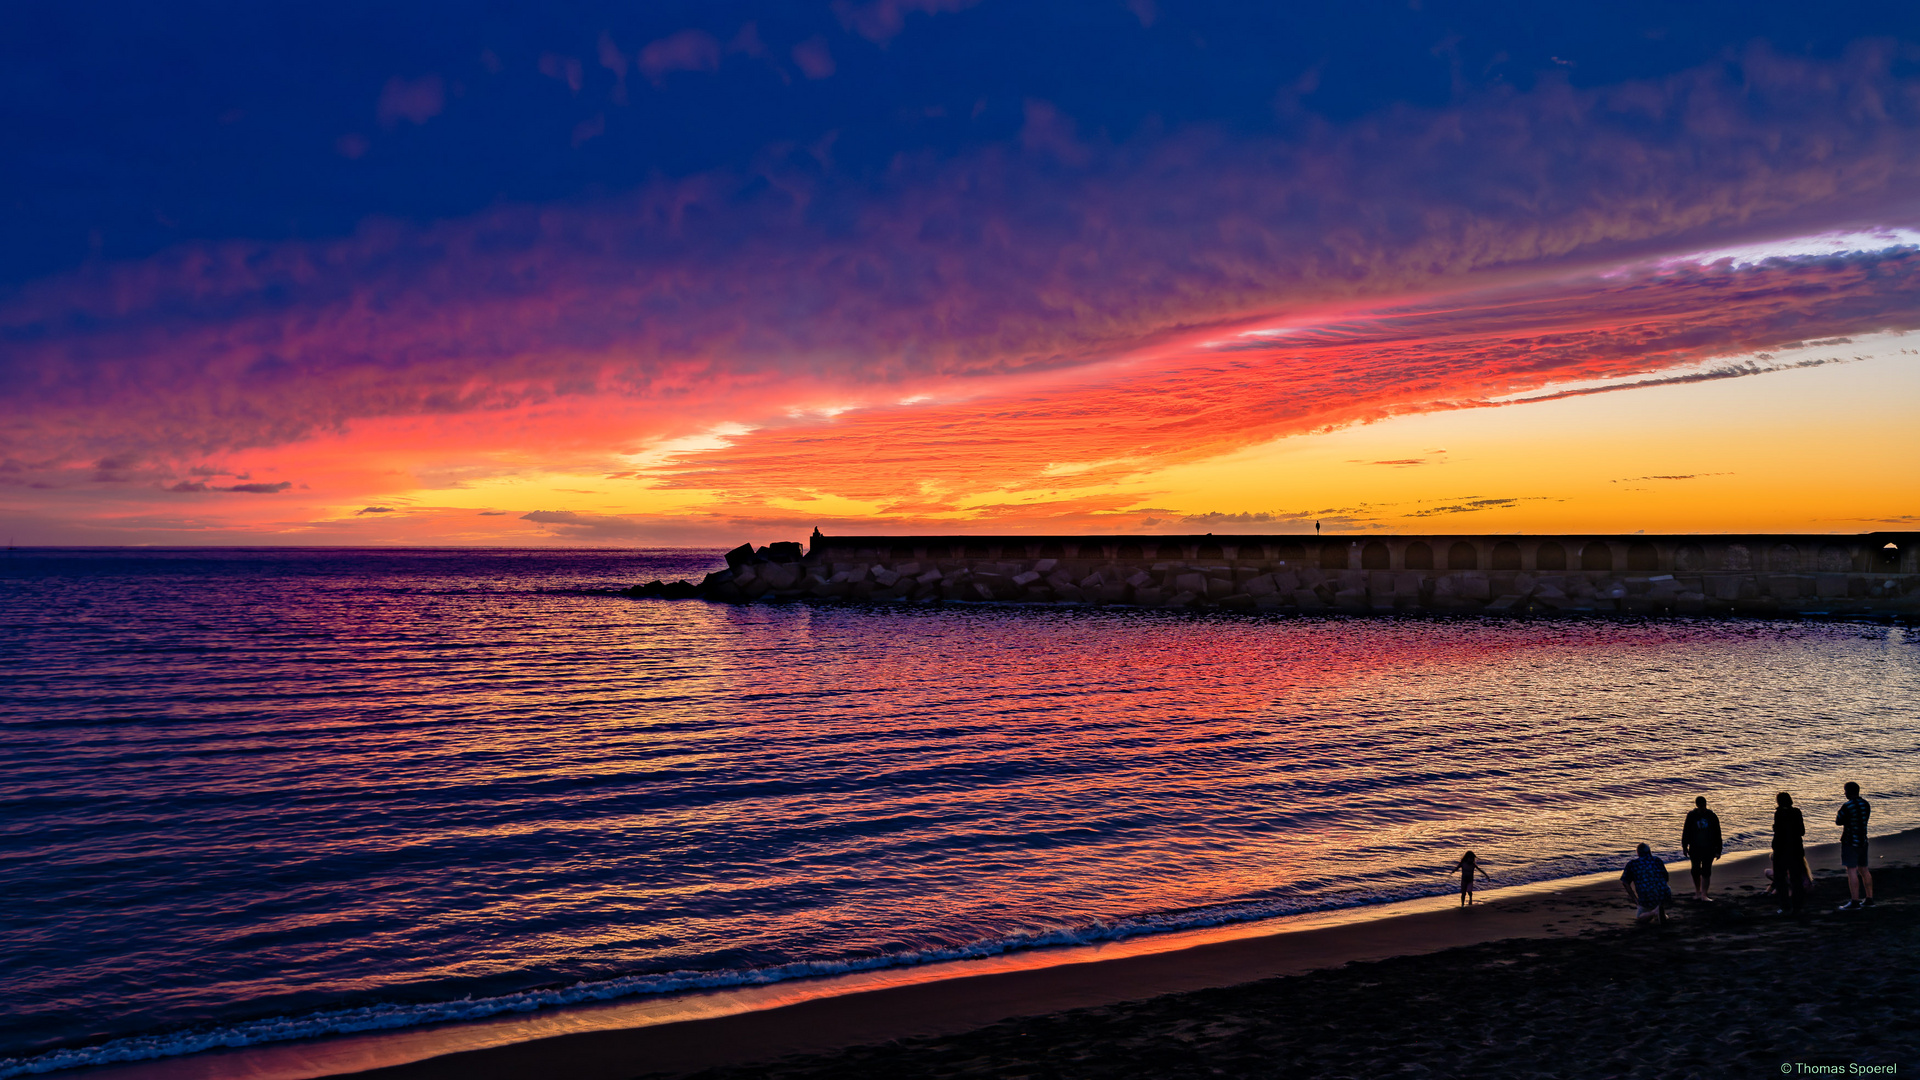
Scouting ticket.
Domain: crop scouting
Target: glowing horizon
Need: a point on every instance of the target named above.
(1491, 313)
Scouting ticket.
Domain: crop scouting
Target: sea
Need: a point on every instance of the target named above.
(250, 795)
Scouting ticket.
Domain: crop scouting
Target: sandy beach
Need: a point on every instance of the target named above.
(1555, 983)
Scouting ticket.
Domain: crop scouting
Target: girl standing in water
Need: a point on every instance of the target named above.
(1468, 866)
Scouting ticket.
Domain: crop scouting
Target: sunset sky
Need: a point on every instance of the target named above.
(690, 274)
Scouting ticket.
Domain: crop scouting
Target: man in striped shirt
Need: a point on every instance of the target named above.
(1852, 820)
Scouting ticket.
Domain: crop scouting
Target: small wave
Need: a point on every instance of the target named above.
(386, 1017)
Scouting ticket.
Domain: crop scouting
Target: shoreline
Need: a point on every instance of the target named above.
(728, 1028)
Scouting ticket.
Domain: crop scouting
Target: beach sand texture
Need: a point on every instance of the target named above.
(1557, 983)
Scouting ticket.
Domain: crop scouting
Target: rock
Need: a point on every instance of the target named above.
(1307, 600)
(1219, 588)
(1240, 602)
(744, 575)
(786, 551)
(1263, 585)
(1140, 580)
(1148, 596)
(885, 577)
(679, 590)
(1184, 597)
(1116, 592)
(1069, 591)
(929, 577)
(1045, 566)
(1027, 578)
(908, 569)
(1191, 583)
(779, 575)
(651, 588)
(1504, 603)
(740, 556)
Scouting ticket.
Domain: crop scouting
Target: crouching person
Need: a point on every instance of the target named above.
(1645, 880)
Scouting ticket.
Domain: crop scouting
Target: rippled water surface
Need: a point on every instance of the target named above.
(248, 795)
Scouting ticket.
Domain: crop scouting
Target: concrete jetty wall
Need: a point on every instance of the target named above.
(1872, 574)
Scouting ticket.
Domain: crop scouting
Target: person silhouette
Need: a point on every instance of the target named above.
(1700, 842)
(1852, 820)
(1645, 880)
(1789, 852)
(1468, 866)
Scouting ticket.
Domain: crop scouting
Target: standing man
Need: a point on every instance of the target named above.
(1645, 879)
(1852, 820)
(1700, 842)
(1789, 852)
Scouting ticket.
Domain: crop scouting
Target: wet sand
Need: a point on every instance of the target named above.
(1554, 983)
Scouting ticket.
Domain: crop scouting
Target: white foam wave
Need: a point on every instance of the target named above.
(384, 1017)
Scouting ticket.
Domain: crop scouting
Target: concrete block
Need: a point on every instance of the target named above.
(1831, 585)
(1027, 578)
(1287, 581)
(1306, 600)
(982, 590)
(1193, 583)
(1219, 587)
(1504, 603)
(885, 577)
(1140, 580)
(1148, 597)
(929, 577)
(1182, 598)
(1407, 583)
(909, 569)
(1069, 591)
(1352, 599)
(1263, 585)
(1046, 566)
(1237, 602)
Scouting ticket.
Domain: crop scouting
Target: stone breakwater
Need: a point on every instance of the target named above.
(1874, 574)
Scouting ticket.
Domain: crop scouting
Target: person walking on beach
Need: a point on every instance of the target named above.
(1700, 842)
(1789, 852)
(1852, 820)
(1645, 880)
(1468, 866)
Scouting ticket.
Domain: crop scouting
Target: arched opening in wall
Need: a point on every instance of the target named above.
(1642, 556)
(1737, 557)
(1210, 551)
(1169, 551)
(940, 551)
(1290, 553)
(1596, 556)
(1052, 551)
(1419, 556)
(1333, 556)
(1462, 556)
(1690, 557)
(1835, 560)
(900, 551)
(1550, 556)
(1375, 557)
(1128, 551)
(1783, 557)
(976, 551)
(1890, 556)
(1506, 555)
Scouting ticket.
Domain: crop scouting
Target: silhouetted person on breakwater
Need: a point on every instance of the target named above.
(1700, 841)
(1645, 880)
(1789, 852)
(1852, 820)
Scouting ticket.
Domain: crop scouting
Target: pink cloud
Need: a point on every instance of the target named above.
(880, 21)
(688, 50)
(417, 100)
(813, 59)
(1005, 279)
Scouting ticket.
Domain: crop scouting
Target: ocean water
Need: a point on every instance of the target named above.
(266, 794)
